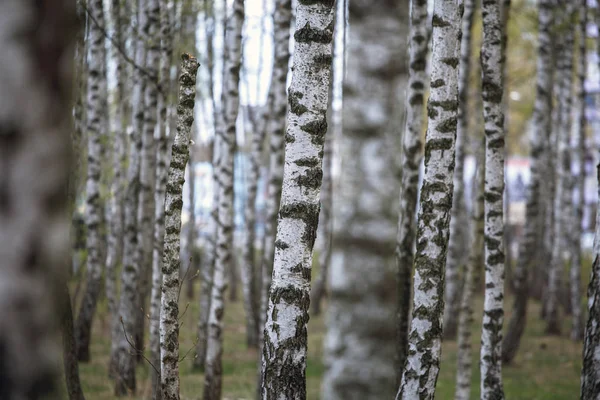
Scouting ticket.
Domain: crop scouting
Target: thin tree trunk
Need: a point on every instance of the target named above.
(534, 217)
(562, 197)
(472, 271)
(35, 160)
(493, 307)
(162, 161)
(208, 261)
(458, 214)
(225, 170)
(97, 112)
(122, 363)
(412, 154)
(578, 151)
(248, 254)
(285, 335)
(70, 362)
(423, 362)
(169, 309)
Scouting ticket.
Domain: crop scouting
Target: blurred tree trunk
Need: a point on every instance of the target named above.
(248, 252)
(578, 150)
(423, 361)
(533, 236)
(190, 261)
(114, 257)
(122, 363)
(473, 268)
(562, 198)
(70, 362)
(209, 254)
(169, 310)
(412, 154)
(162, 162)
(225, 169)
(285, 335)
(35, 155)
(361, 324)
(97, 126)
(492, 85)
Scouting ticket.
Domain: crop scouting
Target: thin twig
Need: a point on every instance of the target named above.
(183, 279)
(184, 311)
(137, 351)
(189, 350)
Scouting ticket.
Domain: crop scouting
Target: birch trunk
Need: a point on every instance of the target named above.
(147, 168)
(169, 309)
(578, 151)
(412, 155)
(225, 167)
(361, 333)
(248, 256)
(162, 160)
(472, 270)
(534, 217)
(458, 214)
(562, 197)
(493, 308)
(119, 158)
(277, 107)
(285, 335)
(122, 363)
(97, 123)
(35, 154)
(423, 362)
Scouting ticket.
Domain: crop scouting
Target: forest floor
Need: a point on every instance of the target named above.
(546, 367)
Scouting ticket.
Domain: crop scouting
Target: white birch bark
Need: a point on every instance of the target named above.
(162, 161)
(578, 151)
(412, 155)
(493, 115)
(277, 105)
(169, 308)
(562, 199)
(97, 122)
(472, 272)
(122, 363)
(35, 154)
(424, 346)
(458, 216)
(533, 235)
(225, 168)
(285, 335)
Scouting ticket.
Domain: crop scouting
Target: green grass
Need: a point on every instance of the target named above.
(545, 368)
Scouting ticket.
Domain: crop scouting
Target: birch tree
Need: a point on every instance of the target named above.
(122, 363)
(169, 313)
(562, 197)
(285, 335)
(35, 150)
(277, 105)
(412, 155)
(578, 151)
(424, 346)
(114, 255)
(364, 233)
(493, 115)
(230, 106)
(97, 124)
(472, 271)
(534, 217)
(162, 161)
